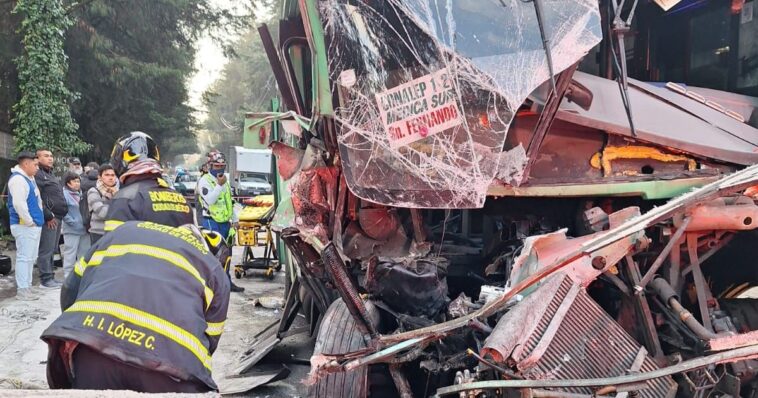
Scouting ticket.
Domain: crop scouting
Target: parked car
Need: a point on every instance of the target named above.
(251, 184)
(185, 183)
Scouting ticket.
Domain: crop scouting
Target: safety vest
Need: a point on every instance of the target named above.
(221, 211)
(149, 295)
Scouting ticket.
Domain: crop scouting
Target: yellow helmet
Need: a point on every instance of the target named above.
(213, 239)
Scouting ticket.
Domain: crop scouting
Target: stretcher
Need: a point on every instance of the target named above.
(254, 219)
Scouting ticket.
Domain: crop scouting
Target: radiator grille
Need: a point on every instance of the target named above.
(585, 343)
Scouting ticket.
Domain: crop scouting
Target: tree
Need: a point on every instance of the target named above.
(129, 62)
(10, 49)
(132, 59)
(42, 115)
(246, 85)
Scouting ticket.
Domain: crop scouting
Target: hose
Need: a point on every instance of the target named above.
(669, 296)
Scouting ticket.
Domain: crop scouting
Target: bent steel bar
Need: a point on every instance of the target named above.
(331, 258)
(731, 183)
(722, 357)
(674, 240)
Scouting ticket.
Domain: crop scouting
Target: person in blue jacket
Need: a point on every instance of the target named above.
(76, 242)
(26, 219)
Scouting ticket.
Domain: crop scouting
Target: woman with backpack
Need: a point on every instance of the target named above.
(75, 240)
(99, 199)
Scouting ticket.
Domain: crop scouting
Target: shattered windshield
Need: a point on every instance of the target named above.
(429, 88)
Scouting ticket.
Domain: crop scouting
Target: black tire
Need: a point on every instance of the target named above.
(339, 334)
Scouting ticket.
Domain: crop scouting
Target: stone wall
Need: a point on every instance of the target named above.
(6, 145)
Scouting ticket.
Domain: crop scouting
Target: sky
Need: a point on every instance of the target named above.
(209, 63)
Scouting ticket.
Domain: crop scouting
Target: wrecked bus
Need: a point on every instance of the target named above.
(469, 208)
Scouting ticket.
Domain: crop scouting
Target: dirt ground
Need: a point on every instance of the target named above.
(23, 354)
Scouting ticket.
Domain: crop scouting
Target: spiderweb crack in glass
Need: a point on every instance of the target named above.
(405, 141)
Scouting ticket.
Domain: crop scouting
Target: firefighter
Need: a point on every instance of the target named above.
(215, 197)
(144, 194)
(143, 310)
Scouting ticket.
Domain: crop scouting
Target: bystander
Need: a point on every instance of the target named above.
(99, 199)
(54, 208)
(75, 238)
(26, 220)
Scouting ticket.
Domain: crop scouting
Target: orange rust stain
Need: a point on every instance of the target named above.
(752, 191)
(603, 159)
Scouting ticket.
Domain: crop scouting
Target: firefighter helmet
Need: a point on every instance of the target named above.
(133, 147)
(213, 239)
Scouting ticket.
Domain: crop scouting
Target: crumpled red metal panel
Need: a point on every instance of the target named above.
(313, 199)
(287, 159)
(541, 250)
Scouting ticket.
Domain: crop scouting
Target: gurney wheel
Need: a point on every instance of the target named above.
(270, 273)
(238, 273)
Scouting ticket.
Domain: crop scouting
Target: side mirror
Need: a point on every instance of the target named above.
(579, 95)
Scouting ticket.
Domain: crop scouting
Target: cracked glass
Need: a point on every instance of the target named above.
(427, 90)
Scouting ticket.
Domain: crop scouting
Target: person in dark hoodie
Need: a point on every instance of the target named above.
(89, 177)
(144, 195)
(54, 208)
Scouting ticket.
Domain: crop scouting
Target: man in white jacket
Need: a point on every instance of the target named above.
(26, 219)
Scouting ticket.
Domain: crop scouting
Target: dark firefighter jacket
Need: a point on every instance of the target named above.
(148, 198)
(146, 294)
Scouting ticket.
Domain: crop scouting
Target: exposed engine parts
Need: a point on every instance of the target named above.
(414, 286)
(628, 298)
(482, 203)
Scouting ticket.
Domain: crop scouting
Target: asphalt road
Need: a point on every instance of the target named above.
(245, 319)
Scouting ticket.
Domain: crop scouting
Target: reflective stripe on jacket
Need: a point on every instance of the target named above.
(149, 199)
(149, 295)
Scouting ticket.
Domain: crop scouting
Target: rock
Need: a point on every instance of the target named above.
(7, 286)
(270, 302)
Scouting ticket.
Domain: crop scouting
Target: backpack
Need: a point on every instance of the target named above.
(84, 210)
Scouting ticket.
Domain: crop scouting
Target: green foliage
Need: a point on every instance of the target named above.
(42, 117)
(10, 48)
(129, 62)
(133, 58)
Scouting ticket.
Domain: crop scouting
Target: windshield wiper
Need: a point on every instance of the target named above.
(620, 27)
(545, 42)
(543, 35)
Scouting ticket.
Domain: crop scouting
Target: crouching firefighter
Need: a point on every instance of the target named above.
(144, 194)
(143, 310)
(215, 197)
